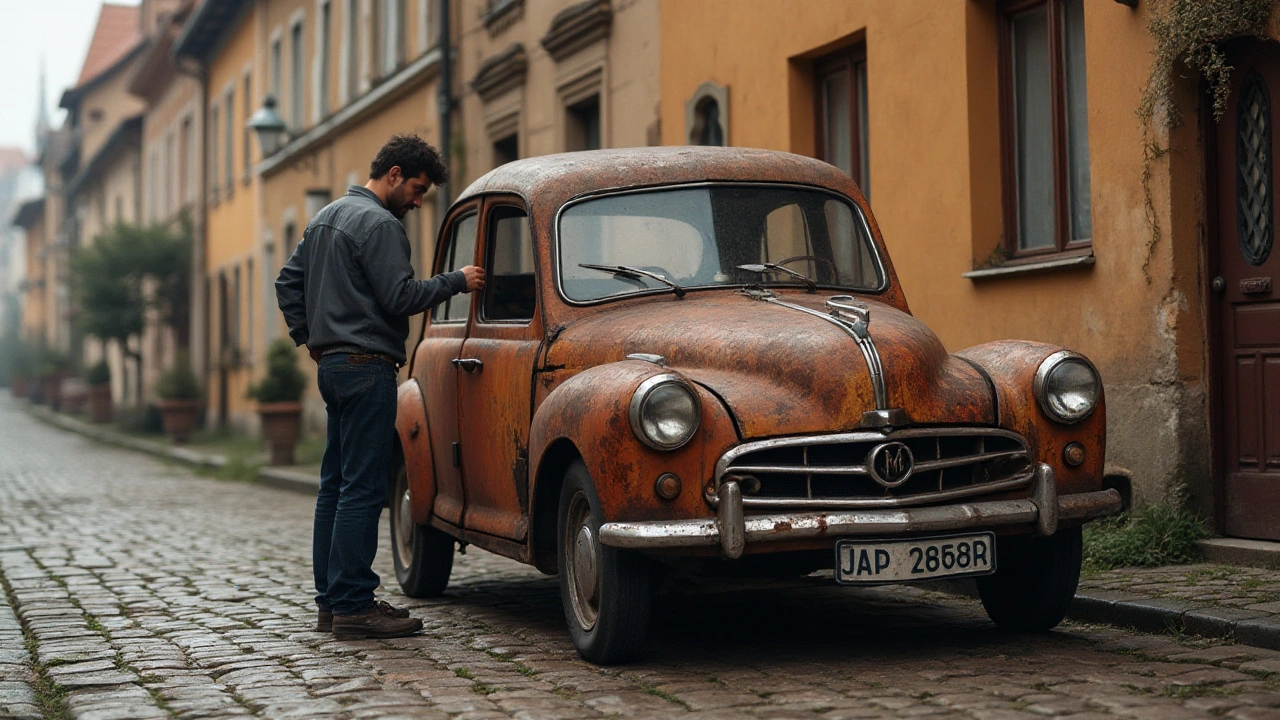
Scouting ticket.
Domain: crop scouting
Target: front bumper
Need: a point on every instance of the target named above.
(731, 530)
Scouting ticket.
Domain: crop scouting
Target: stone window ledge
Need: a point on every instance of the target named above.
(1056, 264)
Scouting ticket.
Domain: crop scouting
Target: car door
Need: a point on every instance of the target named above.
(435, 370)
(495, 383)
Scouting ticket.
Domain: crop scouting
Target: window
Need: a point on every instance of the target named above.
(707, 126)
(295, 76)
(322, 79)
(153, 187)
(213, 152)
(171, 174)
(290, 240)
(841, 89)
(186, 177)
(351, 50)
(582, 125)
(510, 295)
(246, 134)
(506, 150)
(460, 253)
(1045, 127)
(392, 12)
(275, 68)
(229, 138)
(248, 291)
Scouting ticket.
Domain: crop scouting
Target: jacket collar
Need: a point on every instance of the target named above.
(362, 191)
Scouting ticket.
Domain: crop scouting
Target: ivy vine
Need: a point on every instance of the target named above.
(1190, 32)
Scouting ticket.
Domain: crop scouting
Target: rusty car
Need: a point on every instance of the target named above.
(699, 360)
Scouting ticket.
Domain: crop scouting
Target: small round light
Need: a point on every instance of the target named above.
(1073, 454)
(1067, 387)
(665, 412)
(667, 486)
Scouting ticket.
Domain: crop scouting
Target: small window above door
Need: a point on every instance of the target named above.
(510, 292)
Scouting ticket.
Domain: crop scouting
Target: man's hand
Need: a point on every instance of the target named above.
(474, 276)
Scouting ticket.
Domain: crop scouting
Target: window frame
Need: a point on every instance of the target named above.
(490, 226)
(446, 244)
(297, 74)
(1063, 244)
(848, 60)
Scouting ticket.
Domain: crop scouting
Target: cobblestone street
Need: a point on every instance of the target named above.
(145, 590)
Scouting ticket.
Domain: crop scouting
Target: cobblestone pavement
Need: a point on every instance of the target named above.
(144, 591)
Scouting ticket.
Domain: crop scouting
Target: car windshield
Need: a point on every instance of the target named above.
(702, 236)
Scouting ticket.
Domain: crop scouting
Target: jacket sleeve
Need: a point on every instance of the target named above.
(291, 295)
(384, 256)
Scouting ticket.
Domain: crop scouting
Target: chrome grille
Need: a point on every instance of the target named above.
(831, 470)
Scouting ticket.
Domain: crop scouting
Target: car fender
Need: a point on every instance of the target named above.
(415, 442)
(1011, 366)
(591, 410)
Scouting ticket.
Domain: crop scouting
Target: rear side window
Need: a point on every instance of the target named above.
(510, 294)
(460, 253)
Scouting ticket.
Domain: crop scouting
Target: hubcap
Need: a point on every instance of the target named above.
(581, 562)
(404, 529)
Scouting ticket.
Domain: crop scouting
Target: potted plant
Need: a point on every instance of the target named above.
(278, 398)
(53, 368)
(178, 391)
(98, 379)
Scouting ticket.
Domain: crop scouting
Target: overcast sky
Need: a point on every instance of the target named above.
(56, 30)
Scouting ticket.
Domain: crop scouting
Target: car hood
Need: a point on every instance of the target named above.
(782, 371)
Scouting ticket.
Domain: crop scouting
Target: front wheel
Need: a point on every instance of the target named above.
(606, 592)
(1034, 582)
(423, 555)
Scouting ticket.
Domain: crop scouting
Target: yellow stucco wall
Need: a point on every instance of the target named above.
(935, 174)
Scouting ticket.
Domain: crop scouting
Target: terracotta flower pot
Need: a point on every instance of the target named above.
(281, 425)
(179, 417)
(51, 390)
(100, 403)
(18, 387)
(75, 395)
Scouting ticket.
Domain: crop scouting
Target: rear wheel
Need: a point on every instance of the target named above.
(1034, 582)
(606, 592)
(423, 555)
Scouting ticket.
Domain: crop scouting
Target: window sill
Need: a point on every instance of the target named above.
(1076, 262)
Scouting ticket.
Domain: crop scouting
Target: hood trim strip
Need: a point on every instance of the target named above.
(865, 344)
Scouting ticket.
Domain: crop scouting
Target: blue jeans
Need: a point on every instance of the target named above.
(360, 398)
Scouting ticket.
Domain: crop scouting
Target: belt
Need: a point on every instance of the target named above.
(361, 357)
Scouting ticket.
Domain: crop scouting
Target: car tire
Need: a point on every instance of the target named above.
(606, 592)
(423, 555)
(1034, 582)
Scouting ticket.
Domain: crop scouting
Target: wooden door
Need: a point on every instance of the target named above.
(1244, 271)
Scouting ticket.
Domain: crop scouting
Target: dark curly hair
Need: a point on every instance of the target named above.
(413, 155)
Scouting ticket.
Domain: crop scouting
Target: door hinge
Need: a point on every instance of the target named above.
(457, 455)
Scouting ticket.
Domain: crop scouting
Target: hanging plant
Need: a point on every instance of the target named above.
(1191, 31)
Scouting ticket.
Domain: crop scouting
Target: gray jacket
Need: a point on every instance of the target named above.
(349, 285)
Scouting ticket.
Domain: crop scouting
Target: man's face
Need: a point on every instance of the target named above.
(406, 193)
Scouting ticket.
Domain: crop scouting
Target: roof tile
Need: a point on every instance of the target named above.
(116, 34)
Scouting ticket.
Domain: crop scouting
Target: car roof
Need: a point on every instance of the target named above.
(550, 180)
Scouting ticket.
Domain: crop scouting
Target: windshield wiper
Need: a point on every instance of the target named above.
(635, 274)
(763, 268)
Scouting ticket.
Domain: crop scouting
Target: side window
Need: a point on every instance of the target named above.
(460, 253)
(510, 293)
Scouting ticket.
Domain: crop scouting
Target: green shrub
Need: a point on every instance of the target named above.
(284, 382)
(98, 374)
(53, 361)
(1152, 535)
(177, 382)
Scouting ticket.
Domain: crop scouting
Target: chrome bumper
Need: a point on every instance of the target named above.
(731, 530)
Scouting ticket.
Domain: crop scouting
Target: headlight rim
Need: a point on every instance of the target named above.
(642, 392)
(1047, 366)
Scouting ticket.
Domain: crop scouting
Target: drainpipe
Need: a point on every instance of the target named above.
(444, 103)
(198, 332)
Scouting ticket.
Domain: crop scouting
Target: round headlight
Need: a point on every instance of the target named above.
(665, 412)
(1067, 387)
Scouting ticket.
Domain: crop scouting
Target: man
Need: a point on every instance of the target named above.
(346, 294)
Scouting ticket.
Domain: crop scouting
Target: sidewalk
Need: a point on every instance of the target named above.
(1205, 599)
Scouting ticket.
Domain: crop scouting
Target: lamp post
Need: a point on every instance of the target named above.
(268, 125)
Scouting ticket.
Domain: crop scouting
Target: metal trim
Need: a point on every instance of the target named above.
(555, 238)
(642, 393)
(1017, 481)
(863, 339)
(1047, 366)
(656, 535)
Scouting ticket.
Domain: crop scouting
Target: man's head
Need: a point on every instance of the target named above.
(402, 172)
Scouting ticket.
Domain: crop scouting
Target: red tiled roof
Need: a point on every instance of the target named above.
(116, 34)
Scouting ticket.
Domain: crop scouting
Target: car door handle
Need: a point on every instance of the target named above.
(468, 364)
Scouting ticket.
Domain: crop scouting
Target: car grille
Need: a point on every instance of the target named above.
(831, 470)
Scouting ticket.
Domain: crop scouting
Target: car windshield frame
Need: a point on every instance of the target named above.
(859, 217)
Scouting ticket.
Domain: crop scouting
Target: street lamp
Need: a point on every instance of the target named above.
(269, 126)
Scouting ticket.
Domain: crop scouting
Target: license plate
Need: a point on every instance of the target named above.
(860, 562)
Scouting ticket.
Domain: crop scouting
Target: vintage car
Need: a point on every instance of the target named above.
(699, 360)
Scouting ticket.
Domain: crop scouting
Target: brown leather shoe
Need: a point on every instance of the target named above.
(324, 618)
(376, 623)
